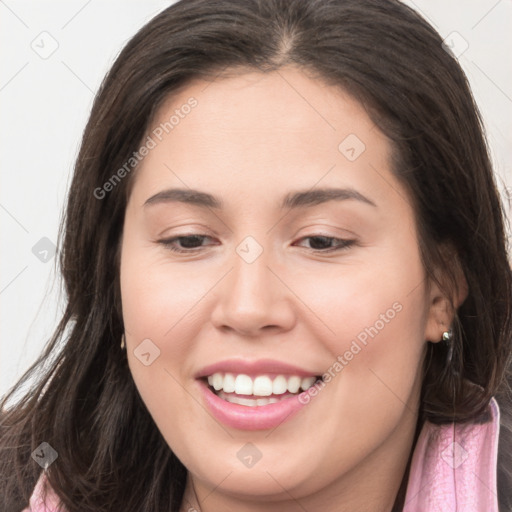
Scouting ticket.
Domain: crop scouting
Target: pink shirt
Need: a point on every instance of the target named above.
(453, 468)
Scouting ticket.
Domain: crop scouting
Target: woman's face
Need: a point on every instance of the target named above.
(258, 288)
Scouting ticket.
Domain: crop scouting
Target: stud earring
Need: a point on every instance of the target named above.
(447, 335)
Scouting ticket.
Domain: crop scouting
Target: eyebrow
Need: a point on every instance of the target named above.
(294, 200)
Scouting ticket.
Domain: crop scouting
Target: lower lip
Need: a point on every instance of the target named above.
(260, 417)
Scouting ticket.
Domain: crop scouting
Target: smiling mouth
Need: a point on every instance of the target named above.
(260, 390)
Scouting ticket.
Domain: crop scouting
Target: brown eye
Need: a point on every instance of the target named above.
(189, 243)
(320, 243)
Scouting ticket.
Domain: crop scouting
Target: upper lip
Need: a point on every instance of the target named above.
(255, 367)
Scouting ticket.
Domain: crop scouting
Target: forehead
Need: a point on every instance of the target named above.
(256, 131)
(287, 101)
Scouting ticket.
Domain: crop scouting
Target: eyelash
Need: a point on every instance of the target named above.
(344, 243)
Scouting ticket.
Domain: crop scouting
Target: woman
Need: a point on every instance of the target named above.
(220, 353)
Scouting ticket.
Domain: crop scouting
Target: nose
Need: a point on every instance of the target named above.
(253, 298)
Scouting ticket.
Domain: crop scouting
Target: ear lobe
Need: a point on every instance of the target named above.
(442, 306)
(440, 317)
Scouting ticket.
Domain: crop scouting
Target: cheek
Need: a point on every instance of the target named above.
(376, 303)
(376, 314)
(158, 297)
(157, 305)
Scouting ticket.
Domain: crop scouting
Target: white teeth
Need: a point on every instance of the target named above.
(229, 383)
(243, 385)
(307, 383)
(262, 385)
(242, 401)
(217, 381)
(250, 402)
(266, 401)
(294, 384)
(279, 386)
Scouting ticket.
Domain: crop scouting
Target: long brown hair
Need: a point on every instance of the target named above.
(84, 402)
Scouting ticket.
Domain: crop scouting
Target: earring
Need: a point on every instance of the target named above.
(122, 343)
(448, 338)
(447, 335)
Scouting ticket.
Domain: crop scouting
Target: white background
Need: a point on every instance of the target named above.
(45, 103)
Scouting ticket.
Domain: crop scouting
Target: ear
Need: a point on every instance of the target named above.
(444, 304)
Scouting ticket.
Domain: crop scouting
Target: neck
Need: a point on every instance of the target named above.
(402, 491)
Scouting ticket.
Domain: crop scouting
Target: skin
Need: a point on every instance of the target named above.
(251, 139)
